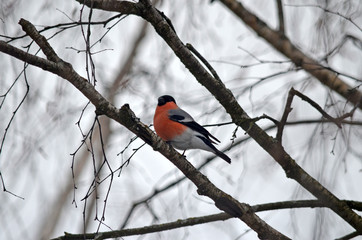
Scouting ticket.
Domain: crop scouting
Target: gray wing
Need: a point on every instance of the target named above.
(180, 116)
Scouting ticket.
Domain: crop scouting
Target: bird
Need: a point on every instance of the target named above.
(178, 128)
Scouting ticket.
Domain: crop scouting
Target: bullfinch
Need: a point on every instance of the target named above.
(178, 128)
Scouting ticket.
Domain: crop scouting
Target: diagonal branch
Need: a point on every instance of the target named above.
(285, 46)
(40, 40)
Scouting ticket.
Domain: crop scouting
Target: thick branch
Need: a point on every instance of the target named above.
(40, 40)
(27, 57)
(123, 7)
(285, 46)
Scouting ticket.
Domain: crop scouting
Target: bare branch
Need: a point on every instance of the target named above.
(65, 26)
(194, 221)
(204, 61)
(7, 191)
(281, 16)
(40, 40)
(148, 229)
(288, 109)
(27, 57)
(122, 7)
(285, 46)
(328, 11)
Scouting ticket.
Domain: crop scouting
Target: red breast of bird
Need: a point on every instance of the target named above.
(178, 128)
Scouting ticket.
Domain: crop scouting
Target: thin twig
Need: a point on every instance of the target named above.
(204, 61)
(13, 116)
(281, 16)
(327, 11)
(283, 120)
(288, 109)
(7, 191)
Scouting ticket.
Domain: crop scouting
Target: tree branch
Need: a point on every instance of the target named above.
(327, 11)
(285, 46)
(123, 7)
(197, 220)
(288, 109)
(204, 61)
(148, 229)
(40, 40)
(281, 16)
(27, 57)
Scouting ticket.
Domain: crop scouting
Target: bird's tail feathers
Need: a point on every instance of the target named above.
(223, 156)
(212, 148)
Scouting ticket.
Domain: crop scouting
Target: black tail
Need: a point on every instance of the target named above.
(222, 155)
(208, 142)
